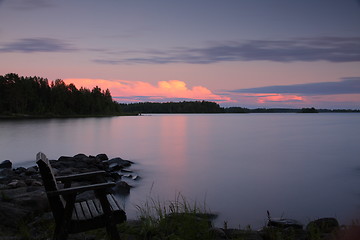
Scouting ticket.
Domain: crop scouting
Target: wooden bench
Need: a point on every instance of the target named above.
(72, 216)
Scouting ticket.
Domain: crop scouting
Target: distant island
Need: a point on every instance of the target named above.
(24, 97)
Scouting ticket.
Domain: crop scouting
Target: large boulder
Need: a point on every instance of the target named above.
(122, 188)
(102, 157)
(116, 164)
(323, 225)
(80, 156)
(6, 164)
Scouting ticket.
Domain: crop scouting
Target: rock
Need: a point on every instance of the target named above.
(6, 164)
(116, 164)
(36, 200)
(6, 173)
(121, 162)
(115, 176)
(66, 171)
(64, 158)
(114, 167)
(102, 157)
(323, 225)
(20, 170)
(284, 223)
(31, 171)
(80, 156)
(33, 182)
(133, 177)
(11, 214)
(81, 163)
(17, 183)
(122, 188)
(217, 233)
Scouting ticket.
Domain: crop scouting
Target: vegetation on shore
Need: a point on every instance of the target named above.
(36, 97)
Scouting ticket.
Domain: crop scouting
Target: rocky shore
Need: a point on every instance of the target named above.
(25, 212)
(23, 201)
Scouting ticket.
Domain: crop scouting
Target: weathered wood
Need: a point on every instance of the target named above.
(75, 190)
(73, 217)
(80, 176)
(113, 203)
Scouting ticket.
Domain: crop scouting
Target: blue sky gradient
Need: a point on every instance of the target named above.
(227, 49)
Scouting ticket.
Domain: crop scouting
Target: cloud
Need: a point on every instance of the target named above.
(345, 86)
(28, 4)
(30, 45)
(332, 49)
(130, 91)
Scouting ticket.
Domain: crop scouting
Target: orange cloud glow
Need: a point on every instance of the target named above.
(163, 90)
(269, 99)
(276, 97)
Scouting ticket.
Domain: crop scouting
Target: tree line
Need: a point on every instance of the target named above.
(36, 96)
(173, 107)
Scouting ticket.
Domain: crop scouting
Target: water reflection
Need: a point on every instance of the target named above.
(301, 166)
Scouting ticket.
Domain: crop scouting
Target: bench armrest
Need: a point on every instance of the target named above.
(79, 176)
(75, 190)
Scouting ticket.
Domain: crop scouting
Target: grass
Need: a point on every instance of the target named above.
(4, 197)
(176, 219)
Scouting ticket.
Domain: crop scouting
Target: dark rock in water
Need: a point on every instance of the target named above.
(323, 225)
(64, 158)
(120, 162)
(122, 188)
(6, 164)
(102, 157)
(133, 177)
(80, 156)
(115, 176)
(114, 167)
(284, 223)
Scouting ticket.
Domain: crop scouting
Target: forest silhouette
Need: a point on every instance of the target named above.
(37, 97)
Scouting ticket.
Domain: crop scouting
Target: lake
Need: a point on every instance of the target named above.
(300, 166)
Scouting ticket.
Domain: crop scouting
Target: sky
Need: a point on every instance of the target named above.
(246, 53)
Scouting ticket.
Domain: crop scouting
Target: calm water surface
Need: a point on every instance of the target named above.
(300, 166)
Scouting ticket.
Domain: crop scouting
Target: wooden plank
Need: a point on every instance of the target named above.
(113, 203)
(79, 211)
(93, 210)
(86, 210)
(98, 206)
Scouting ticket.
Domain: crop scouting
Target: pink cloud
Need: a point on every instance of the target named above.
(172, 89)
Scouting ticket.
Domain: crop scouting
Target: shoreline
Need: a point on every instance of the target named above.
(23, 199)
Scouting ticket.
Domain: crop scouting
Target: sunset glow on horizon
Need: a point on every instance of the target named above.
(163, 91)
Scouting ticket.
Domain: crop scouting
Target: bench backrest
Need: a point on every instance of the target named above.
(55, 201)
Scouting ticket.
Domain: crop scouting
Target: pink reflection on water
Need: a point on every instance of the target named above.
(174, 147)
